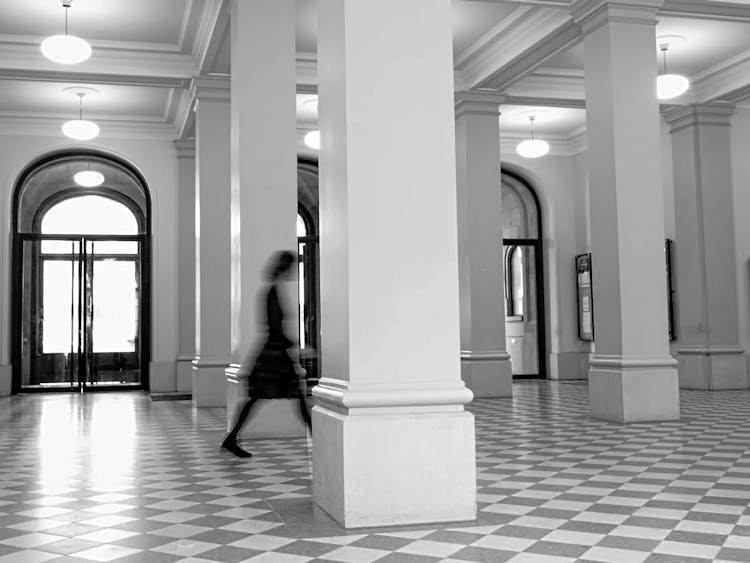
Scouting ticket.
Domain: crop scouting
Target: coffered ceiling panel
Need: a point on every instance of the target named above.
(49, 98)
(151, 21)
(472, 19)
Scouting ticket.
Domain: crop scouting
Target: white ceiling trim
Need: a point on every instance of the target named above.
(486, 39)
(110, 129)
(706, 9)
(90, 78)
(534, 37)
(552, 87)
(214, 23)
(558, 146)
(128, 61)
(185, 27)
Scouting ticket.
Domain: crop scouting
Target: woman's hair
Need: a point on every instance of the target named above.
(279, 264)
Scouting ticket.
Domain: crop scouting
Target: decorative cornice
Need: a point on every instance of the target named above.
(474, 102)
(701, 9)
(725, 81)
(561, 38)
(534, 34)
(493, 35)
(592, 14)
(75, 77)
(214, 25)
(551, 87)
(210, 89)
(185, 149)
(698, 115)
(49, 126)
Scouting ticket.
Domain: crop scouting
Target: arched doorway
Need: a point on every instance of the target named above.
(80, 276)
(524, 278)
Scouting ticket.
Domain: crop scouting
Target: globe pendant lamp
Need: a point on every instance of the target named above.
(532, 148)
(670, 86)
(312, 140)
(66, 49)
(80, 129)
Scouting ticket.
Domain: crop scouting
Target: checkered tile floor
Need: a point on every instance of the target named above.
(115, 477)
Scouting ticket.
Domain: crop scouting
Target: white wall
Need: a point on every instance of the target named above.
(157, 161)
(557, 182)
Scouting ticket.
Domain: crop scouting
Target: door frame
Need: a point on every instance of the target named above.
(17, 310)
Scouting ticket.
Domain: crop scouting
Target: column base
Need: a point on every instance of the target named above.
(277, 418)
(161, 377)
(184, 382)
(569, 365)
(6, 380)
(394, 469)
(712, 369)
(634, 389)
(208, 383)
(487, 374)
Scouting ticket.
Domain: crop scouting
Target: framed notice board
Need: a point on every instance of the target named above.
(585, 297)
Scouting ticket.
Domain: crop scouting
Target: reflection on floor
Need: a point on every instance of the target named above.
(116, 477)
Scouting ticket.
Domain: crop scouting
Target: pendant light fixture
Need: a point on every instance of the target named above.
(88, 178)
(81, 129)
(312, 140)
(532, 148)
(66, 49)
(669, 86)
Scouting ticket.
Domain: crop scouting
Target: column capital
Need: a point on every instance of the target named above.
(682, 117)
(210, 88)
(185, 148)
(592, 14)
(476, 102)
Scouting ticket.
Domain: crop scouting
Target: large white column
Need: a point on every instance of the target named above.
(709, 353)
(212, 241)
(186, 261)
(264, 185)
(392, 441)
(485, 363)
(632, 375)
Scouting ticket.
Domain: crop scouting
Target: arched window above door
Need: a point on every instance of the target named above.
(89, 215)
(520, 210)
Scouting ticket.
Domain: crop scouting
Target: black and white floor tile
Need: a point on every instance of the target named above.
(116, 477)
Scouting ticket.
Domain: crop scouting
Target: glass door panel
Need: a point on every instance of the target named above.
(521, 320)
(113, 312)
(50, 331)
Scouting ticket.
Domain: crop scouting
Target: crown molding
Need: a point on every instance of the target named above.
(186, 33)
(110, 58)
(210, 88)
(558, 145)
(514, 50)
(481, 44)
(214, 25)
(184, 114)
(726, 82)
(706, 9)
(717, 115)
(91, 78)
(551, 87)
(48, 126)
(185, 148)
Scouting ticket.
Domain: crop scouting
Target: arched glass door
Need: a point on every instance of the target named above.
(80, 258)
(523, 285)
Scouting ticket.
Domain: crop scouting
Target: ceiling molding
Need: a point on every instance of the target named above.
(110, 129)
(726, 81)
(184, 118)
(90, 78)
(184, 36)
(492, 35)
(558, 145)
(706, 9)
(507, 56)
(147, 60)
(543, 3)
(213, 28)
(550, 87)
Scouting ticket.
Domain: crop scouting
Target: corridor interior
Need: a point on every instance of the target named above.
(117, 477)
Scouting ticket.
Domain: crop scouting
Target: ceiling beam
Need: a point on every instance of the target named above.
(706, 9)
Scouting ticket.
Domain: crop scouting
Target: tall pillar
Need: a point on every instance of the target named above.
(186, 261)
(212, 241)
(485, 363)
(264, 186)
(632, 376)
(393, 443)
(709, 353)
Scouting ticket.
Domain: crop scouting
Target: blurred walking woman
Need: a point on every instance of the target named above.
(277, 372)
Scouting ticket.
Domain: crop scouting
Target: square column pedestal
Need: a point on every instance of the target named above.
(633, 390)
(377, 466)
(208, 378)
(276, 418)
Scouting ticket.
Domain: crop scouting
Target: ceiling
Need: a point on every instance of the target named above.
(146, 53)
